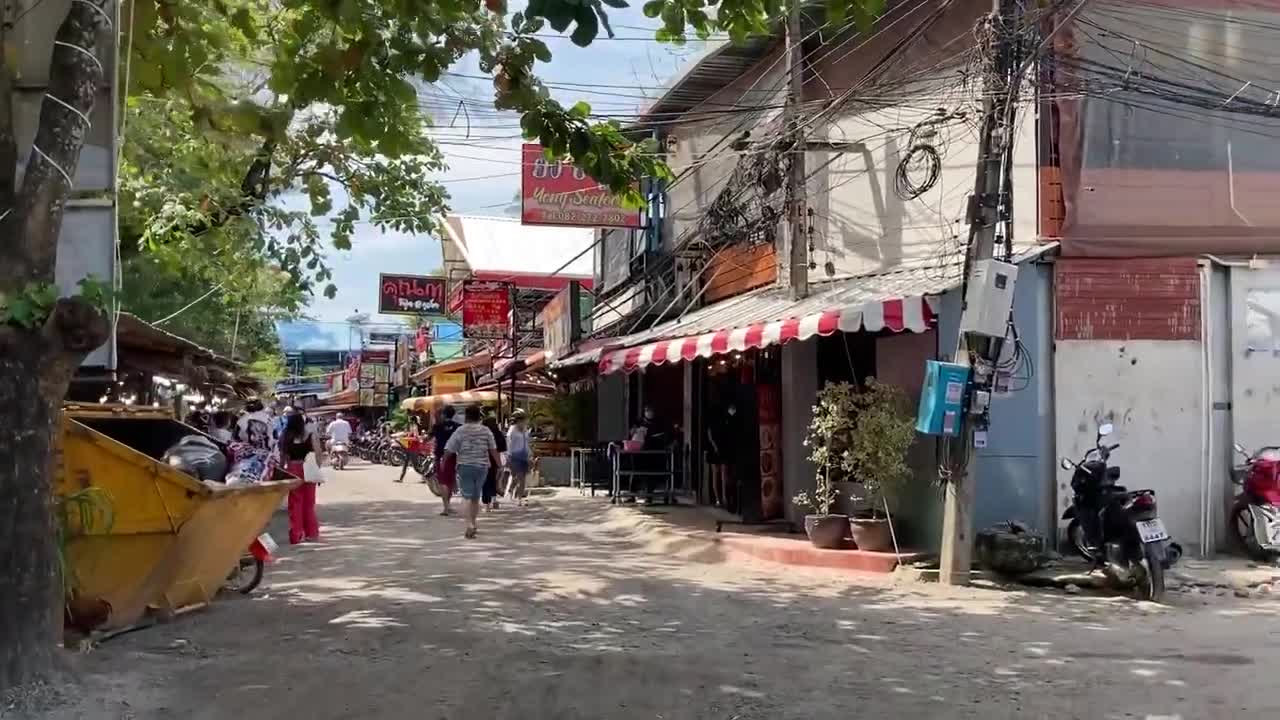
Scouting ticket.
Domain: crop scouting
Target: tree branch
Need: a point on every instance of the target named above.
(253, 189)
(75, 74)
(76, 328)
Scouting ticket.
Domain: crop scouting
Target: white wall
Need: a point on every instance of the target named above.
(703, 158)
(1152, 391)
(1255, 396)
(864, 226)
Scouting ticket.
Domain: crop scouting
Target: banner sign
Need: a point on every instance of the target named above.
(565, 319)
(410, 295)
(448, 383)
(486, 310)
(557, 193)
(769, 404)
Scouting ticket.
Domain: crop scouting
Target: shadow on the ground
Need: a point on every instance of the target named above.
(555, 612)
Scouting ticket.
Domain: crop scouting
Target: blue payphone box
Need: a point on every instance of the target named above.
(942, 399)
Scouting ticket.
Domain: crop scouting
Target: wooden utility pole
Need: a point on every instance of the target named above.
(797, 232)
(988, 225)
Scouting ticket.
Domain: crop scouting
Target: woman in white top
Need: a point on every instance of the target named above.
(519, 457)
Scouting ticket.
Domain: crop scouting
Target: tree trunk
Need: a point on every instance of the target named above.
(30, 588)
(38, 353)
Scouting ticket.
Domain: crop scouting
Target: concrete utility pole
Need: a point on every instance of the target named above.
(988, 214)
(797, 225)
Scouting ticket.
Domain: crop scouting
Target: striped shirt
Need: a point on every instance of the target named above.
(472, 443)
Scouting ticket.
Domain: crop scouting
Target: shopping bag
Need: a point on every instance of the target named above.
(311, 470)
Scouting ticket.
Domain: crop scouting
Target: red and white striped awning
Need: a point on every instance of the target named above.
(914, 314)
(505, 368)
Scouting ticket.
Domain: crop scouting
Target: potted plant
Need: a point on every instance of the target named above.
(876, 458)
(828, 439)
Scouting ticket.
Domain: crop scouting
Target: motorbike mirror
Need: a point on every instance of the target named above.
(1067, 464)
(1105, 429)
(1240, 449)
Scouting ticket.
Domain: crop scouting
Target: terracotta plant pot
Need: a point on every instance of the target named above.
(871, 534)
(826, 531)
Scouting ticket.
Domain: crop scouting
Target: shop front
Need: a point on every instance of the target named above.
(738, 379)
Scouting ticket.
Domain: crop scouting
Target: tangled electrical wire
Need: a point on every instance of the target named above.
(918, 171)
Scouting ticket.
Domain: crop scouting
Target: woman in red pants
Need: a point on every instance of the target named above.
(295, 443)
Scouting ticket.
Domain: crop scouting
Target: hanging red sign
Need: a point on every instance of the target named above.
(486, 310)
(410, 295)
(769, 404)
(557, 193)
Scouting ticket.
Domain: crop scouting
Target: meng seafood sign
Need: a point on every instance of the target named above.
(560, 194)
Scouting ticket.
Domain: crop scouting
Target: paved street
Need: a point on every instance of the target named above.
(564, 610)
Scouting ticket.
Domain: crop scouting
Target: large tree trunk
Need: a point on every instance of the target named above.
(35, 369)
(39, 354)
(30, 589)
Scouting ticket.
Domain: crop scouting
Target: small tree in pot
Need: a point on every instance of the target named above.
(828, 441)
(876, 457)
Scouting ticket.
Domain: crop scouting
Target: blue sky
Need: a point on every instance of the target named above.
(615, 76)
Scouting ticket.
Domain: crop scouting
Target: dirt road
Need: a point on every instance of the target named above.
(559, 611)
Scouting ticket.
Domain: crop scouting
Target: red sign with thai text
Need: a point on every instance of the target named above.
(557, 193)
(410, 295)
(486, 310)
(769, 404)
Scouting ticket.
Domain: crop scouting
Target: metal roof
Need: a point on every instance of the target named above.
(714, 71)
(495, 244)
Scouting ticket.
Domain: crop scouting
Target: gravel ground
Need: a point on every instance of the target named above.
(565, 610)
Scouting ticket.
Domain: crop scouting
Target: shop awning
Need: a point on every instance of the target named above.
(450, 366)
(427, 403)
(504, 369)
(899, 301)
(323, 409)
(486, 394)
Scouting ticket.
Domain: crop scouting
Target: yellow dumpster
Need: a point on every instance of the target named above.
(172, 540)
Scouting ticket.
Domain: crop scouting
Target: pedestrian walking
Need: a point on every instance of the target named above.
(492, 492)
(446, 473)
(519, 457)
(412, 449)
(296, 442)
(473, 448)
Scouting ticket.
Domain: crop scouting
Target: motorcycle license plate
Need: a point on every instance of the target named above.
(268, 544)
(1150, 531)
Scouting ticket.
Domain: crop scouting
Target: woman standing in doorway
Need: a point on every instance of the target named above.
(519, 457)
(295, 443)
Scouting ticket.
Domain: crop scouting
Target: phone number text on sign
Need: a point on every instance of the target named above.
(486, 310)
(561, 194)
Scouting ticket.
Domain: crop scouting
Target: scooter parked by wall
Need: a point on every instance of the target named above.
(1255, 515)
(1116, 529)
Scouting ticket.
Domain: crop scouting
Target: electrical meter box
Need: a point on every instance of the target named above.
(989, 299)
(942, 399)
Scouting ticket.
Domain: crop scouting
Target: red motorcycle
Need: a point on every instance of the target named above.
(1255, 516)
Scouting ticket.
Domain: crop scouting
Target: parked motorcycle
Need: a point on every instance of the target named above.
(1117, 529)
(247, 574)
(1255, 515)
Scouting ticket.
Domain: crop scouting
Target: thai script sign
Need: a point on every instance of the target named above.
(486, 310)
(557, 193)
(410, 295)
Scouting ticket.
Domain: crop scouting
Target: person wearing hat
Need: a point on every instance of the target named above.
(519, 456)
